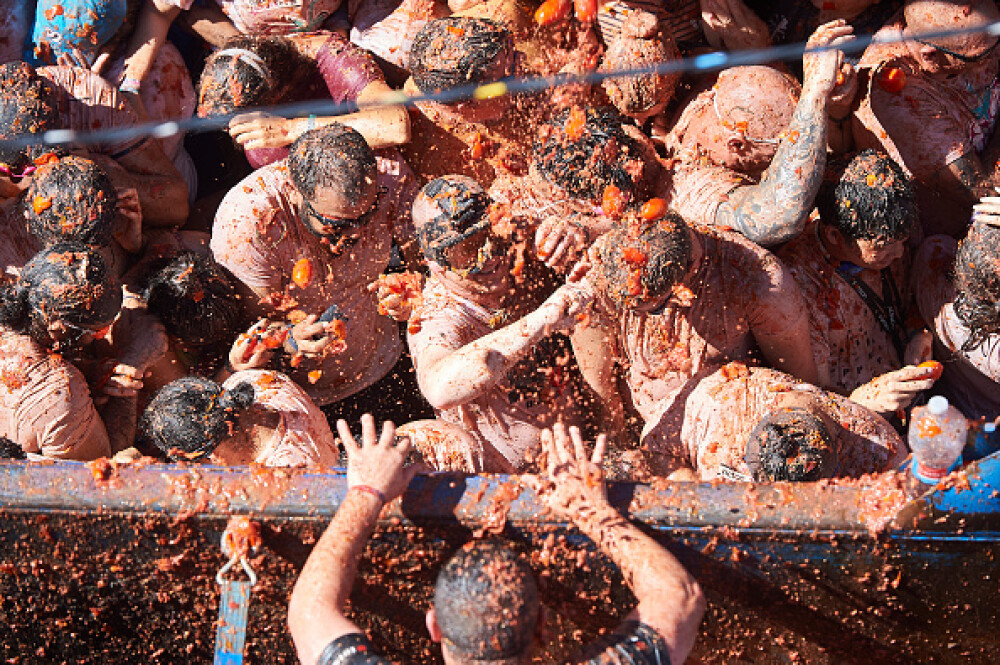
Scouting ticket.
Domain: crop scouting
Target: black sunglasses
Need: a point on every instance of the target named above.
(337, 225)
(958, 56)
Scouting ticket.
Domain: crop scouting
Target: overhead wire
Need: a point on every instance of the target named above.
(708, 62)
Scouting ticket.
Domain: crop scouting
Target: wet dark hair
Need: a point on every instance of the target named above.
(654, 260)
(486, 602)
(29, 105)
(463, 213)
(977, 280)
(603, 154)
(11, 449)
(71, 199)
(233, 80)
(332, 156)
(455, 51)
(189, 418)
(792, 445)
(871, 199)
(66, 282)
(195, 299)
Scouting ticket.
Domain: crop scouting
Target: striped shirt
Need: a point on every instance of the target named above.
(680, 18)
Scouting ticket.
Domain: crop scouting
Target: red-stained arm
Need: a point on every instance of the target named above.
(316, 609)
(670, 600)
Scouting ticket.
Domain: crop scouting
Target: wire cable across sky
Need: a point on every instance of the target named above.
(709, 62)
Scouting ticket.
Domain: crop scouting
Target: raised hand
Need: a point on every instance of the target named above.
(377, 462)
(573, 483)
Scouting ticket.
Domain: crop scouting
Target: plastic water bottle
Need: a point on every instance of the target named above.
(937, 435)
(983, 441)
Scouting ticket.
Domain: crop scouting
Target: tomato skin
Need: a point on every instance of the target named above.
(938, 368)
(892, 79)
(585, 10)
(576, 121)
(302, 273)
(653, 209)
(552, 11)
(613, 201)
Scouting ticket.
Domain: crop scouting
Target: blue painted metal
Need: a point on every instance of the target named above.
(968, 501)
(230, 636)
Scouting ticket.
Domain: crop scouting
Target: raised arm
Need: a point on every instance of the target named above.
(776, 210)
(375, 476)
(149, 35)
(670, 600)
(451, 377)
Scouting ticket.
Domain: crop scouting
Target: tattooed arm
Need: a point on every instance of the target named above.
(776, 210)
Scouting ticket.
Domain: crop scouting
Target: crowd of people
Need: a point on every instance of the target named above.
(744, 275)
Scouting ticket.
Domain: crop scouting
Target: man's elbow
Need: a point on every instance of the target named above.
(784, 228)
(440, 397)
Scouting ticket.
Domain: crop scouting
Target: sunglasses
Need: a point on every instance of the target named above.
(958, 56)
(337, 225)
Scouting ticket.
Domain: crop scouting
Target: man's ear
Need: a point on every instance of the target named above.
(433, 629)
(831, 235)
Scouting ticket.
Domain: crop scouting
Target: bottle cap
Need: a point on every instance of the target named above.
(937, 405)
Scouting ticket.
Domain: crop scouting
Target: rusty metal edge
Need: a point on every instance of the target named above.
(471, 500)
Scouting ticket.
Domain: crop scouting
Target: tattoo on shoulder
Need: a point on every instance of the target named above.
(775, 210)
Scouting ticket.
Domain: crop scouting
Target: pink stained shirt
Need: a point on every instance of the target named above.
(710, 428)
(87, 102)
(258, 236)
(971, 379)
(929, 123)
(167, 92)
(500, 417)
(45, 403)
(737, 286)
(387, 27)
(845, 335)
(303, 436)
(278, 17)
(693, 191)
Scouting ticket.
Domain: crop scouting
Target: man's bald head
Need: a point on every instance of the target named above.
(941, 15)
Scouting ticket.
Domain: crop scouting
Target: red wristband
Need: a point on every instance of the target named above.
(370, 490)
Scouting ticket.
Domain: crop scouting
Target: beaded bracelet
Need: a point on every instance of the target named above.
(370, 490)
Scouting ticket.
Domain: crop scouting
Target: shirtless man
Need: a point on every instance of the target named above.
(933, 106)
(80, 100)
(486, 607)
(476, 138)
(853, 269)
(674, 300)
(482, 350)
(312, 231)
(743, 423)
